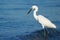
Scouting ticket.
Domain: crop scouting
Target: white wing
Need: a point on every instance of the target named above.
(46, 22)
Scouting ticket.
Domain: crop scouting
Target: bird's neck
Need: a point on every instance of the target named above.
(35, 15)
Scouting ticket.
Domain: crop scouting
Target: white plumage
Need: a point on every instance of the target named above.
(41, 19)
(45, 22)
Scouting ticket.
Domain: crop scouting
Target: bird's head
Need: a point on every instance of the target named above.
(34, 7)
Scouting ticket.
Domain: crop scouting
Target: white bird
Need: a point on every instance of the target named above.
(46, 23)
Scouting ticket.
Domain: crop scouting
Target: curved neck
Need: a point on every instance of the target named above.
(35, 15)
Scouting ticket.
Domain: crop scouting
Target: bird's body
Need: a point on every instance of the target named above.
(46, 22)
(41, 19)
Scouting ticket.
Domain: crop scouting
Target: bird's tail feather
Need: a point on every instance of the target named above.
(54, 26)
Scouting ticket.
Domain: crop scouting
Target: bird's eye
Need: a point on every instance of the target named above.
(34, 8)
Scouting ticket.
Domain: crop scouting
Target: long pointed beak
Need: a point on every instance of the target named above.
(29, 11)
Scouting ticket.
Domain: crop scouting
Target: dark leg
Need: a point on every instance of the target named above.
(47, 31)
(45, 34)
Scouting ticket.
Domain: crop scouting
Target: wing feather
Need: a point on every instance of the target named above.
(46, 22)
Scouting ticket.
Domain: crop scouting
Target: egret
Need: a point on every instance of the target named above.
(45, 22)
(41, 19)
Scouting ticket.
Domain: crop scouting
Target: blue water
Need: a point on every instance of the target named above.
(14, 21)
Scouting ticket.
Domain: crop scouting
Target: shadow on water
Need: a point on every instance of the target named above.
(39, 35)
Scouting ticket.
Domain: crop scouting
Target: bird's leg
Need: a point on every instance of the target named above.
(43, 32)
(47, 31)
(43, 26)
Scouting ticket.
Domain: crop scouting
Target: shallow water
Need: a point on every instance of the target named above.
(14, 21)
